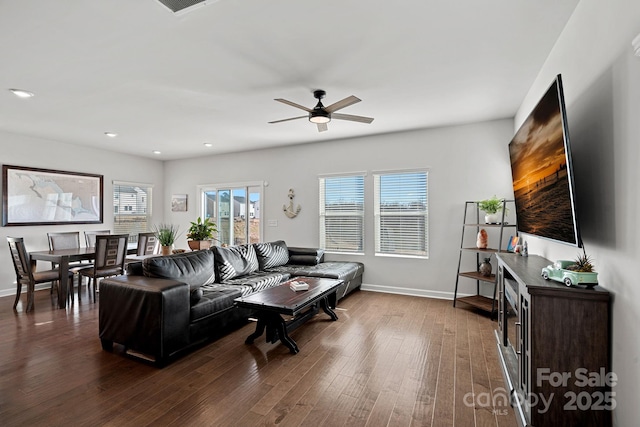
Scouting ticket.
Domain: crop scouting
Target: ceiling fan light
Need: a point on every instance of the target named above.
(319, 118)
(22, 93)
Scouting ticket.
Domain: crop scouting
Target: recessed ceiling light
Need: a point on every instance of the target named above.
(111, 134)
(22, 93)
(157, 152)
(208, 144)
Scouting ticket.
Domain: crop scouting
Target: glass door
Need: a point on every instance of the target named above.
(236, 212)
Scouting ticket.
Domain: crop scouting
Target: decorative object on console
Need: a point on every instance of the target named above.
(290, 211)
(167, 235)
(200, 234)
(482, 242)
(491, 207)
(577, 272)
(485, 267)
(561, 271)
(513, 242)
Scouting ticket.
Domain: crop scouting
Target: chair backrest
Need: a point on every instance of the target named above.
(21, 259)
(65, 240)
(111, 251)
(90, 236)
(147, 244)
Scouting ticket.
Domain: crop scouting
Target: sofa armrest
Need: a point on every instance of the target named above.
(305, 256)
(148, 315)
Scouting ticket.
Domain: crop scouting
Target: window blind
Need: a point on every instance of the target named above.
(342, 213)
(401, 213)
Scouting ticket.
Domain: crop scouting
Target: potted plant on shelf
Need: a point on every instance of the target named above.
(200, 234)
(166, 235)
(491, 207)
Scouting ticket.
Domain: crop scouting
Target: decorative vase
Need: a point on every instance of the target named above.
(165, 250)
(485, 267)
(493, 218)
(198, 245)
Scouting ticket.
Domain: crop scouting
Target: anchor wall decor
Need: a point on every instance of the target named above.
(289, 210)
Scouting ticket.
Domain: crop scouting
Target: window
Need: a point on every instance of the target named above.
(342, 213)
(401, 214)
(131, 208)
(235, 208)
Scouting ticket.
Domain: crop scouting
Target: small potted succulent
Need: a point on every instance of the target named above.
(491, 207)
(200, 234)
(166, 235)
(577, 272)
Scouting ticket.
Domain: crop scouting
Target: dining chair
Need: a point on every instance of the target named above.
(25, 271)
(68, 240)
(90, 236)
(111, 252)
(147, 244)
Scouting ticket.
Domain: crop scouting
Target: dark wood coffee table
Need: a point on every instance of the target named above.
(272, 303)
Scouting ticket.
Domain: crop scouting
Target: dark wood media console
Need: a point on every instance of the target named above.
(554, 346)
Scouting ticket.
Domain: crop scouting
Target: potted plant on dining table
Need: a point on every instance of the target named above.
(200, 234)
(166, 235)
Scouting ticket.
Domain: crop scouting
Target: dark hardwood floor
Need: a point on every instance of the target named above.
(389, 360)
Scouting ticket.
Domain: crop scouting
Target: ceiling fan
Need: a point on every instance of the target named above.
(322, 115)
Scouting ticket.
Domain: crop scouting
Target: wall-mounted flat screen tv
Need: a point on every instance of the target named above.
(542, 172)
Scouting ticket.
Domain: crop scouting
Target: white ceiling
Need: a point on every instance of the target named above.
(171, 83)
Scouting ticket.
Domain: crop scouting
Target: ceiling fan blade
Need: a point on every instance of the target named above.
(291, 118)
(293, 104)
(322, 127)
(351, 117)
(350, 100)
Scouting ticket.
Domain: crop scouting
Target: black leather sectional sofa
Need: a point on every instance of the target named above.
(165, 305)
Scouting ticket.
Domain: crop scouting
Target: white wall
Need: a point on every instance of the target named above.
(32, 152)
(601, 79)
(467, 162)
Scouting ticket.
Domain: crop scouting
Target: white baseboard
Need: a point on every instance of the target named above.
(12, 292)
(410, 291)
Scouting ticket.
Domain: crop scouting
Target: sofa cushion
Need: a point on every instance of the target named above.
(271, 254)
(193, 268)
(234, 261)
(305, 256)
(343, 270)
(257, 281)
(215, 299)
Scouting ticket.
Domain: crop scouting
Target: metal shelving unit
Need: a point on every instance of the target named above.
(471, 223)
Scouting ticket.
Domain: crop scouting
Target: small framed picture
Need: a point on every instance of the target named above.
(513, 242)
(179, 203)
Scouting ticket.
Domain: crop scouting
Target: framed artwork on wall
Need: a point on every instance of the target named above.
(32, 196)
(179, 203)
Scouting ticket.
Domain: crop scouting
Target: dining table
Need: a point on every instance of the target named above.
(63, 257)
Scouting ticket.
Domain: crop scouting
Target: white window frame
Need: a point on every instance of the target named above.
(407, 233)
(324, 214)
(203, 188)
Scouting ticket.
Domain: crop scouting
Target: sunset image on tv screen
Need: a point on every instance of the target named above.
(540, 174)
